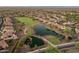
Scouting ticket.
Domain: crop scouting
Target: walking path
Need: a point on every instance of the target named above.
(60, 46)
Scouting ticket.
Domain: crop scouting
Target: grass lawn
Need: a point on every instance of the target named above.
(51, 50)
(27, 21)
(53, 40)
(67, 30)
(77, 45)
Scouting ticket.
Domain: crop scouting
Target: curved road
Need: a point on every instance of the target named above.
(1, 22)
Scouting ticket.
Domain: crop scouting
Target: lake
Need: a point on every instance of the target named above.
(42, 31)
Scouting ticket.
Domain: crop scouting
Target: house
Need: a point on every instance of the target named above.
(8, 30)
(77, 30)
(3, 44)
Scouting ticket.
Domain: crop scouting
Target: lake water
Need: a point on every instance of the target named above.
(34, 41)
(42, 31)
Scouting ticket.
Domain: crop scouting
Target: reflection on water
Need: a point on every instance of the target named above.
(34, 41)
(42, 31)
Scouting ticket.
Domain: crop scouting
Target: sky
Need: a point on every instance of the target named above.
(39, 3)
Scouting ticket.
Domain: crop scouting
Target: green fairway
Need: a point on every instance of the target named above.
(51, 49)
(54, 40)
(27, 21)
